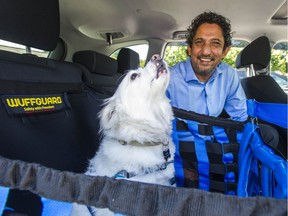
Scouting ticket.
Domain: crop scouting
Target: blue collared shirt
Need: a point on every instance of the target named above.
(222, 91)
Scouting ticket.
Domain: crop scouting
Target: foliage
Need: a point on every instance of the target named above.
(231, 56)
(279, 58)
(175, 54)
(279, 61)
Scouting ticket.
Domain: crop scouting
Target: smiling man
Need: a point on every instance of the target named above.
(203, 83)
(206, 85)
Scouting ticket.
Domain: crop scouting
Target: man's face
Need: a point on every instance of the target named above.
(207, 50)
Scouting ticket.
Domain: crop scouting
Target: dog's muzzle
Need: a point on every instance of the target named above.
(160, 65)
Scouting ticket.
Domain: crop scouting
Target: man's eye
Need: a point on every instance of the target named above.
(216, 44)
(133, 76)
(198, 43)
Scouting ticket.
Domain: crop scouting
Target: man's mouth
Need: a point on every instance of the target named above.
(206, 59)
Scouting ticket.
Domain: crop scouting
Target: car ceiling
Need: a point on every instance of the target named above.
(86, 22)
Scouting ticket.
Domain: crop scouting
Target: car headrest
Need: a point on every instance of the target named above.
(96, 63)
(31, 23)
(257, 53)
(127, 60)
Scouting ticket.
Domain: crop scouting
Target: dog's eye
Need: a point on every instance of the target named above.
(133, 76)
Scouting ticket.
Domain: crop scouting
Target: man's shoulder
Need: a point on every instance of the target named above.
(226, 70)
(178, 65)
(225, 66)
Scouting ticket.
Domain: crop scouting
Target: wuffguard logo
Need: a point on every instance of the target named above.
(24, 104)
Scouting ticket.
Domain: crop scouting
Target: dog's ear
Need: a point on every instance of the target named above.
(107, 115)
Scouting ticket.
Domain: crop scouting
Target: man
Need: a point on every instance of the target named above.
(203, 83)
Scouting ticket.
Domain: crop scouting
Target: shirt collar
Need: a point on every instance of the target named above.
(190, 74)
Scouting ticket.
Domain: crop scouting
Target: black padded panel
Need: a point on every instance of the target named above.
(23, 67)
(258, 53)
(96, 63)
(34, 23)
(127, 60)
(263, 88)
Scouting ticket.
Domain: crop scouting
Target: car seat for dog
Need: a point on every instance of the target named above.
(48, 116)
(221, 155)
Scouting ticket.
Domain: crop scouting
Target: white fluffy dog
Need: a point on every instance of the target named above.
(136, 127)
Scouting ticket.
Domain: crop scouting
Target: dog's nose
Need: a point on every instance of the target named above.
(155, 57)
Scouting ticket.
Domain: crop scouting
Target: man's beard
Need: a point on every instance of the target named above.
(203, 72)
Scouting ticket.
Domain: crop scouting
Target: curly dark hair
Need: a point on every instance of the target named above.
(210, 17)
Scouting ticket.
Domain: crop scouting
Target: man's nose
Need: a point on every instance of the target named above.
(206, 49)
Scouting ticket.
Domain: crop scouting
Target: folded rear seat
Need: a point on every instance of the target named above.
(48, 115)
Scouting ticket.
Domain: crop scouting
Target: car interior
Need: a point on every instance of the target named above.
(73, 56)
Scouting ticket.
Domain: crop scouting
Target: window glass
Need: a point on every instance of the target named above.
(279, 58)
(18, 48)
(177, 51)
(141, 49)
(279, 64)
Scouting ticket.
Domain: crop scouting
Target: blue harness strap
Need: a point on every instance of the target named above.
(273, 170)
(50, 207)
(206, 152)
(55, 208)
(202, 157)
(269, 112)
(3, 197)
(178, 163)
(254, 155)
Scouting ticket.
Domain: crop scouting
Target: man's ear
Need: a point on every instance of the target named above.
(226, 50)
(188, 50)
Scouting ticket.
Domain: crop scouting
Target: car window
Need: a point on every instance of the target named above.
(279, 58)
(177, 51)
(279, 64)
(141, 49)
(18, 48)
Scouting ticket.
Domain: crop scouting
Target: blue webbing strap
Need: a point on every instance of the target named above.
(270, 112)
(252, 148)
(178, 163)
(50, 207)
(202, 157)
(56, 208)
(278, 165)
(3, 197)
(221, 137)
(244, 160)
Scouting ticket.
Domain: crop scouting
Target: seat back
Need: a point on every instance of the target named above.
(127, 59)
(38, 29)
(262, 88)
(48, 116)
(102, 70)
(255, 55)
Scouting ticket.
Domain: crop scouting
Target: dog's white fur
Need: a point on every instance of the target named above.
(139, 112)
